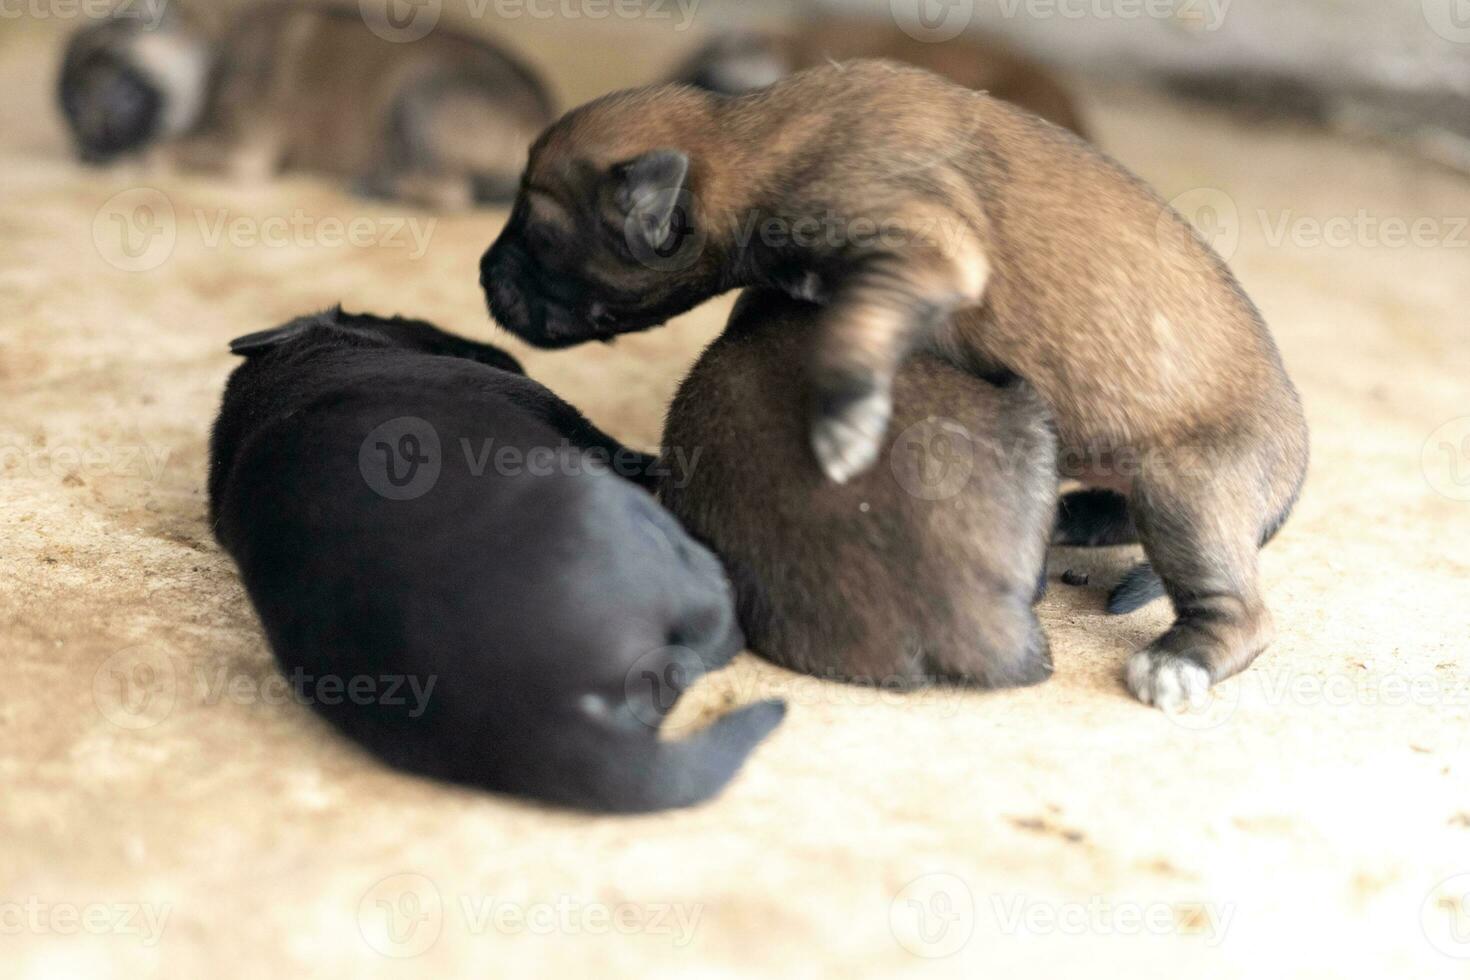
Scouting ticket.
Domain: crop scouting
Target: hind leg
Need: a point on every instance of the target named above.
(1201, 512)
(1006, 649)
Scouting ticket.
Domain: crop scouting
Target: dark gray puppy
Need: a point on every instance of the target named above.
(410, 513)
(922, 569)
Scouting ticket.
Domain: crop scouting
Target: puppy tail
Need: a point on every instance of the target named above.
(621, 768)
(1139, 586)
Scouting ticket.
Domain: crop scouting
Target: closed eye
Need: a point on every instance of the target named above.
(549, 225)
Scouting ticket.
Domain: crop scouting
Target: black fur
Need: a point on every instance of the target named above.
(1139, 586)
(1094, 519)
(557, 611)
(1097, 518)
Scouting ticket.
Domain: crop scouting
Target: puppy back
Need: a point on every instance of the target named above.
(879, 577)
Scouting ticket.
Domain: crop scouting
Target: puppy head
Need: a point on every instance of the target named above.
(736, 63)
(335, 328)
(126, 84)
(607, 235)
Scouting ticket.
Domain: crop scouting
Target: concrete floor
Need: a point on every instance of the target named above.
(164, 814)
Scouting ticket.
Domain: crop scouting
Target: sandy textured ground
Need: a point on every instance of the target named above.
(163, 812)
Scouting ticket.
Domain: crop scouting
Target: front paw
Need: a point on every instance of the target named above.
(1167, 681)
(847, 439)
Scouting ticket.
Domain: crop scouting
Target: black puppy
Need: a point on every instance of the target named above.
(447, 570)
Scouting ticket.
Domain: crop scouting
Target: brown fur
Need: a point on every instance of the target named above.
(445, 120)
(1016, 248)
(909, 574)
(740, 61)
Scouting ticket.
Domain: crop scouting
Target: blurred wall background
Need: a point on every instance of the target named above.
(1390, 69)
(1399, 68)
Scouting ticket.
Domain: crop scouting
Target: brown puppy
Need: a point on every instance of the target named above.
(443, 120)
(923, 569)
(742, 61)
(928, 215)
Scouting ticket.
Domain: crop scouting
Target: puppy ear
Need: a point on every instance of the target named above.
(265, 340)
(648, 191)
(268, 340)
(497, 358)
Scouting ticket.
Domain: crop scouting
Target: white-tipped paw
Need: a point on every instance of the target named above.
(1168, 682)
(847, 443)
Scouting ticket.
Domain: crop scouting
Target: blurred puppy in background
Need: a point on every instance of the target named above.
(741, 61)
(922, 570)
(443, 121)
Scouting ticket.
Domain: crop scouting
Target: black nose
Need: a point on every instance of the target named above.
(488, 261)
(501, 280)
(503, 261)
